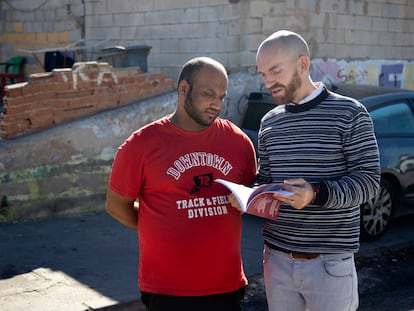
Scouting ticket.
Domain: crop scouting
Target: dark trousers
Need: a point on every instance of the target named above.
(220, 302)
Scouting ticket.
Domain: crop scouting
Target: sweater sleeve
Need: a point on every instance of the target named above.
(362, 158)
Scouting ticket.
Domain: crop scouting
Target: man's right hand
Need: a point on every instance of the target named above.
(233, 201)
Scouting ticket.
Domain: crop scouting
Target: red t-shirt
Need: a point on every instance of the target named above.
(189, 235)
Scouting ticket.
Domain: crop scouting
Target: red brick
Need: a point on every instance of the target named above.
(56, 87)
(66, 94)
(14, 89)
(63, 74)
(35, 88)
(74, 93)
(15, 115)
(41, 78)
(12, 128)
(41, 118)
(140, 79)
(14, 101)
(39, 97)
(82, 85)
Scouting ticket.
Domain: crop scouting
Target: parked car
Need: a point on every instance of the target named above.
(392, 112)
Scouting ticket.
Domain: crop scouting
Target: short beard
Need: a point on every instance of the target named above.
(291, 89)
(192, 111)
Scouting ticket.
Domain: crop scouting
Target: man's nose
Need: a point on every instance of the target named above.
(217, 102)
(268, 82)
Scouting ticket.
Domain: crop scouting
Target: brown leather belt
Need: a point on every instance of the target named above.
(293, 255)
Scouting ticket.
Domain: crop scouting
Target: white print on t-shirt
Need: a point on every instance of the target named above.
(204, 207)
(196, 159)
(207, 211)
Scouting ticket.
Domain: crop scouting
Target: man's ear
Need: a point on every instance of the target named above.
(304, 63)
(183, 87)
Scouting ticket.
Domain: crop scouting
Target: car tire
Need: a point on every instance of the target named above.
(376, 214)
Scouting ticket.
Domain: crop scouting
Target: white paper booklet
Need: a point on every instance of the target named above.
(256, 201)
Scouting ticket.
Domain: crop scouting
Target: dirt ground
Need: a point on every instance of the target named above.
(255, 297)
(385, 283)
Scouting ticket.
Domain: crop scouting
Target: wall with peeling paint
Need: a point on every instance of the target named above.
(389, 73)
(64, 169)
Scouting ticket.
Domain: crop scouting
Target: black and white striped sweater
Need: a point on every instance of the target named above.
(327, 141)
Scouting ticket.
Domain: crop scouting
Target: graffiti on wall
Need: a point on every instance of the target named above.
(398, 74)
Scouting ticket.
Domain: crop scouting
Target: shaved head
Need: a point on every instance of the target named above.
(286, 41)
(193, 66)
(283, 60)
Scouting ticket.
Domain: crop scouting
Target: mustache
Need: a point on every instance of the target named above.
(276, 85)
(211, 109)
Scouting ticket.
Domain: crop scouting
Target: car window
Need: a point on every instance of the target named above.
(395, 119)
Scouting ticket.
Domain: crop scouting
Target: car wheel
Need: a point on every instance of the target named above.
(376, 214)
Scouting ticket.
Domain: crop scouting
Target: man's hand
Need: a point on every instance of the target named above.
(234, 202)
(303, 193)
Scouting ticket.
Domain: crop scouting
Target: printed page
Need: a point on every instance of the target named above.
(258, 201)
(262, 203)
(241, 192)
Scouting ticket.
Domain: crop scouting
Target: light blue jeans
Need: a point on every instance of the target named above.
(326, 283)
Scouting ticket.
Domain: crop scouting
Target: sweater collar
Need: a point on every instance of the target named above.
(311, 101)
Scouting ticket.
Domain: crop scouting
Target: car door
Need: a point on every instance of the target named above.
(394, 129)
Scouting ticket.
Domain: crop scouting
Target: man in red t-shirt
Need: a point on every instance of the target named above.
(189, 234)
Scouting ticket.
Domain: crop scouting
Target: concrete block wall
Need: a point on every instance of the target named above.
(231, 32)
(48, 99)
(38, 24)
(176, 30)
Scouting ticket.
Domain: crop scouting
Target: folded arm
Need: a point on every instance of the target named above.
(122, 209)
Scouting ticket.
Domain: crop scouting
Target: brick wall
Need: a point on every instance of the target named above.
(66, 94)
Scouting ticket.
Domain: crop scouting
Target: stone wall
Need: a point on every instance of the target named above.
(48, 99)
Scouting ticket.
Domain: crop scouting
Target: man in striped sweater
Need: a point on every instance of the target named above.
(320, 146)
